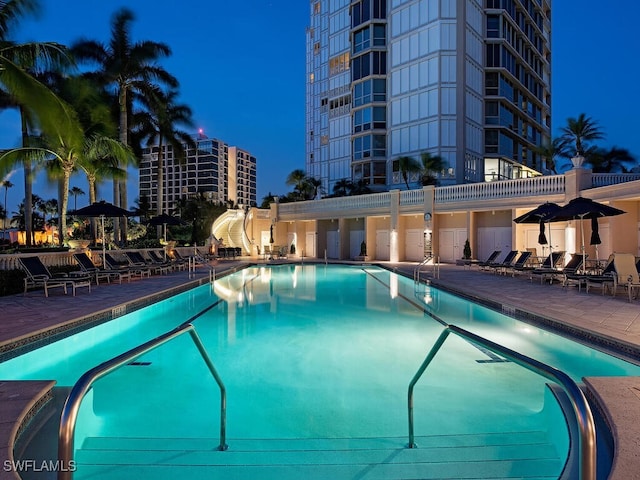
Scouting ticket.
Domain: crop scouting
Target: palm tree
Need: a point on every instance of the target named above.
(430, 165)
(76, 192)
(359, 188)
(609, 161)
(39, 108)
(550, 151)
(143, 208)
(314, 186)
(158, 125)
(49, 207)
(406, 166)
(342, 187)
(580, 131)
(129, 70)
(7, 185)
(297, 179)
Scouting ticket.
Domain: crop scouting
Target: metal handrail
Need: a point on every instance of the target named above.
(586, 425)
(84, 383)
(418, 268)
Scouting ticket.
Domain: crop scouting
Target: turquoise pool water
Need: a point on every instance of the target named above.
(311, 352)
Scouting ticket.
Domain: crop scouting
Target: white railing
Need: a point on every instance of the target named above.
(9, 261)
(604, 179)
(523, 187)
(374, 200)
(412, 197)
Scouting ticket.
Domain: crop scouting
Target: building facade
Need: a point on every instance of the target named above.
(214, 169)
(466, 80)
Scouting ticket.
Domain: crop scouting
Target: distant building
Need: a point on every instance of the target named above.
(468, 80)
(214, 169)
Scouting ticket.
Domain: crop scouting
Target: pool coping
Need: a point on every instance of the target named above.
(24, 400)
(612, 398)
(613, 346)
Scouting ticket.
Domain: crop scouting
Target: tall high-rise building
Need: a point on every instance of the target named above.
(467, 80)
(214, 169)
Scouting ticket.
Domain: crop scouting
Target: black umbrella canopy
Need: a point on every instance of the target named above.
(581, 208)
(595, 235)
(102, 209)
(542, 238)
(165, 219)
(540, 213)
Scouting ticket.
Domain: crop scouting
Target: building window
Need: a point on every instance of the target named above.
(361, 66)
(361, 40)
(360, 13)
(379, 36)
(339, 64)
(369, 91)
(368, 146)
(493, 26)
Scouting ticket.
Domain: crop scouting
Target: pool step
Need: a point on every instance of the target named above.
(485, 456)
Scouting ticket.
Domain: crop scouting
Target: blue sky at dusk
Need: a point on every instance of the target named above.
(241, 67)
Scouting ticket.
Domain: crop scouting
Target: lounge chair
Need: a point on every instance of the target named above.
(519, 264)
(38, 275)
(114, 264)
(549, 268)
(155, 257)
(138, 261)
(605, 280)
(568, 273)
(87, 265)
(626, 272)
(507, 262)
(490, 260)
(179, 262)
(570, 269)
(528, 267)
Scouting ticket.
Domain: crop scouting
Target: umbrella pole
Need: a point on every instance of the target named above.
(104, 248)
(165, 241)
(584, 257)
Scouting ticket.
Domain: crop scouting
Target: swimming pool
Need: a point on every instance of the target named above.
(309, 353)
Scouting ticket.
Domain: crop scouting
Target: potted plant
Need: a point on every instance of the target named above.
(80, 237)
(466, 251)
(363, 253)
(292, 249)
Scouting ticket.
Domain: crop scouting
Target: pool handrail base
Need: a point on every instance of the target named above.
(584, 416)
(83, 385)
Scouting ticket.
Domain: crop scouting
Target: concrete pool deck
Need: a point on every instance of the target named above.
(609, 320)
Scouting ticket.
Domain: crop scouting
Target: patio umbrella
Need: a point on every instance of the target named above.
(595, 235)
(165, 220)
(271, 234)
(540, 214)
(102, 210)
(581, 208)
(542, 238)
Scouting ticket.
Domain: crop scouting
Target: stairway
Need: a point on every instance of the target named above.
(478, 456)
(229, 227)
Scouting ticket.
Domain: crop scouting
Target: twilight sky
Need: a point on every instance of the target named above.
(241, 67)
